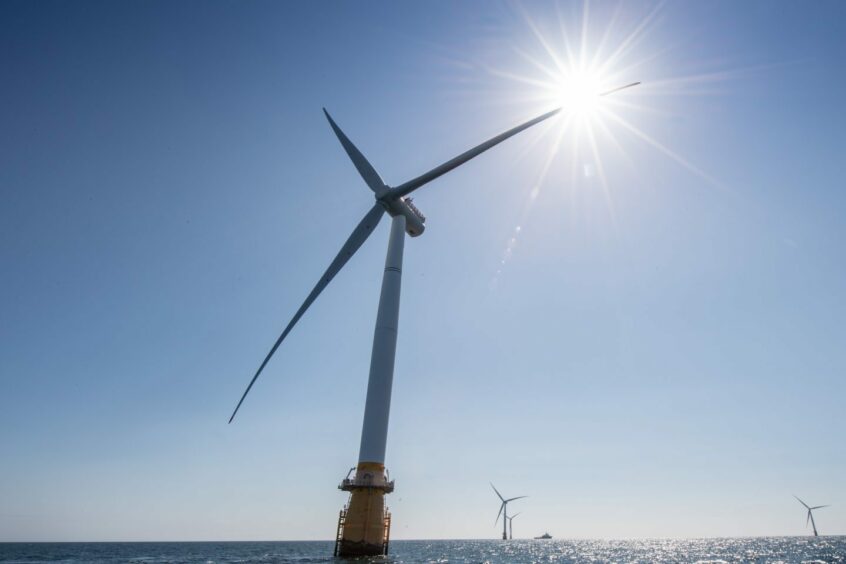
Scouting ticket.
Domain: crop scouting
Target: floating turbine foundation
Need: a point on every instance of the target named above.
(364, 525)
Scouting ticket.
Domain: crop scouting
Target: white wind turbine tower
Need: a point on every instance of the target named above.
(811, 515)
(503, 510)
(511, 525)
(364, 524)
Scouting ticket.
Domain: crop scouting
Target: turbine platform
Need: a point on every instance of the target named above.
(367, 482)
(364, 524)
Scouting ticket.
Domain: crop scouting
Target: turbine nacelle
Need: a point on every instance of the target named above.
(414, 220)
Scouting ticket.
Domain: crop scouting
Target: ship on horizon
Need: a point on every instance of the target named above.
(544, 536)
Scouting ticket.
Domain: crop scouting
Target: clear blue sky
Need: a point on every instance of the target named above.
(659, 355)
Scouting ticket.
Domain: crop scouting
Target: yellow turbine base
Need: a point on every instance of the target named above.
(365, 528)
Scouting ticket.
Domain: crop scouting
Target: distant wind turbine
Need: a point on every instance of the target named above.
(510, 526)
(811, 515)
(503, 510)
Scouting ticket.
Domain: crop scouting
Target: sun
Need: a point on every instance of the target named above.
(578, 94)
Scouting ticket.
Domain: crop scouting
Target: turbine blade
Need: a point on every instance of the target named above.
(513, 498)
(802, 502)
(516, 514)
(808, 518)
(365, 169)
(500, 513)
(414, 184)
(355, 240)
(820, 506)
(607, 92)
(497, 492)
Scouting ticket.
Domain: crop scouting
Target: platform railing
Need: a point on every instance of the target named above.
(349, 484)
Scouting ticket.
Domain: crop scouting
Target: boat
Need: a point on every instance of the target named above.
(544, 536)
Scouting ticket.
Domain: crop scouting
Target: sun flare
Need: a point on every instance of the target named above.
(578, 94)
(579, 72)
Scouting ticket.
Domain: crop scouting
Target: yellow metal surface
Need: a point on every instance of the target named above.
(364, 527)
(374, 467)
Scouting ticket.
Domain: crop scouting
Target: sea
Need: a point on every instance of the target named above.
(774, 549)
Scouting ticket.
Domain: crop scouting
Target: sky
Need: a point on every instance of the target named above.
(633, 317)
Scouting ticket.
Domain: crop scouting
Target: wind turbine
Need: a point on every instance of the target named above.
(503, 510)
(510, 526)
(811, 515)
(364, 524)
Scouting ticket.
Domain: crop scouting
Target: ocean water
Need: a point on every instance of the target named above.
(776, 549)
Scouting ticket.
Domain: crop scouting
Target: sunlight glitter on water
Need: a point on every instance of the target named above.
(700, 551)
